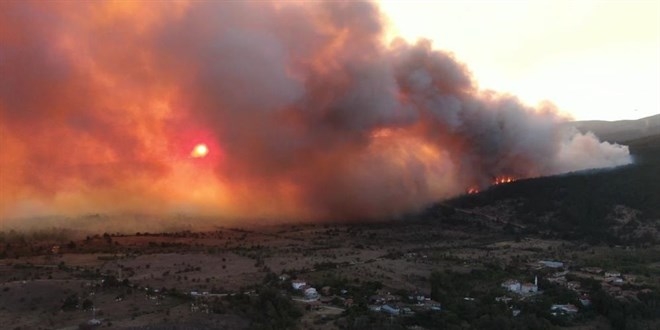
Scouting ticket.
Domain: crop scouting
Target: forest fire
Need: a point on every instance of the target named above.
(503, 180)
(472, 190)
(317, 117)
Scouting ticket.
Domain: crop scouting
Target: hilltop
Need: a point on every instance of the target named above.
(615, 206)
(620, 131)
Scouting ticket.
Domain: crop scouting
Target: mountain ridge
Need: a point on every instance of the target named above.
(613, 206)
(620, 131)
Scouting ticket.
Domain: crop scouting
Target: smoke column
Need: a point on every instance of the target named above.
(306, 112)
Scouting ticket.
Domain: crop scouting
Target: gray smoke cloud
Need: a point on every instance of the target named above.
(306, 111)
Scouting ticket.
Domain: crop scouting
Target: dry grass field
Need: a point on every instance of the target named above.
(160, 280)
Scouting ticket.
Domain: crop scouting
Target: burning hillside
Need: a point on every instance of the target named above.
(284, 110)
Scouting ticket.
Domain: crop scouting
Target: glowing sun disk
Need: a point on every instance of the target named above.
(200, 150)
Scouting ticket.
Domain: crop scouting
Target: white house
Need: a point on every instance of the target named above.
(511, 285)
(551, 264)
(516, 287)
(298, 284)
(390, 310)
(311, 294)
(566, 308)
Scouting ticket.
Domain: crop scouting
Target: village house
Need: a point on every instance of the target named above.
(551, 264)
(592, 270)
(391, 310)
(563, 309)
(530, 287)
(348, 302)
(612, 274)
(326, 290)
(511, 285)
(433, 305)
(298, 284)
(311, 293)
(573, 285)
(525, 288)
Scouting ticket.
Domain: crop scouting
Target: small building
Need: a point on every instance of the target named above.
(387, 309)
(516, 287)
(311, 294)
(592, 270)
(612, 274)
(298, 284)
(528, 288)
(433, 305)
(377, 299)
(511, 285)
(551, 264)
(573, 285)
(585, 301)
(326, 290)
(563, 309)
(375, 308)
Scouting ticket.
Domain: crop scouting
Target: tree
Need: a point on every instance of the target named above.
(70, 303)
(87, 304)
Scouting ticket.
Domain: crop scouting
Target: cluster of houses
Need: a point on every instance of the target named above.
(611, 281)
(382, 301)
(522, 288)
(310, 293)
(387, 303)
(529, 289)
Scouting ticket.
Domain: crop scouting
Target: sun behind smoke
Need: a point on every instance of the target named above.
(200, 151)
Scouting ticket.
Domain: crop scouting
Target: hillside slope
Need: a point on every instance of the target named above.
(620, 131)
(617, 206)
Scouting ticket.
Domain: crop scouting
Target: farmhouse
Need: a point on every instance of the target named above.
(298, 284)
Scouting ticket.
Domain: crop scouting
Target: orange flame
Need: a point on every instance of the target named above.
(503, 180)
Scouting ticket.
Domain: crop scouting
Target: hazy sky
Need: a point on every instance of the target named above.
(593, 59)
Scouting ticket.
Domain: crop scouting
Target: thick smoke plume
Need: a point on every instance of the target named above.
(306, 112)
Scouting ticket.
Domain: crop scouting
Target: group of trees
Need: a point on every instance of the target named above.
(268, 309)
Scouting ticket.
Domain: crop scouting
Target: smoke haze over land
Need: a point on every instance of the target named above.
(306, 111)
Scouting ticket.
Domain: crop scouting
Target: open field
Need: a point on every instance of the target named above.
(191, 279)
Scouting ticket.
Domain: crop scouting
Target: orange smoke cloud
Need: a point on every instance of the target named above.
(303, 110)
